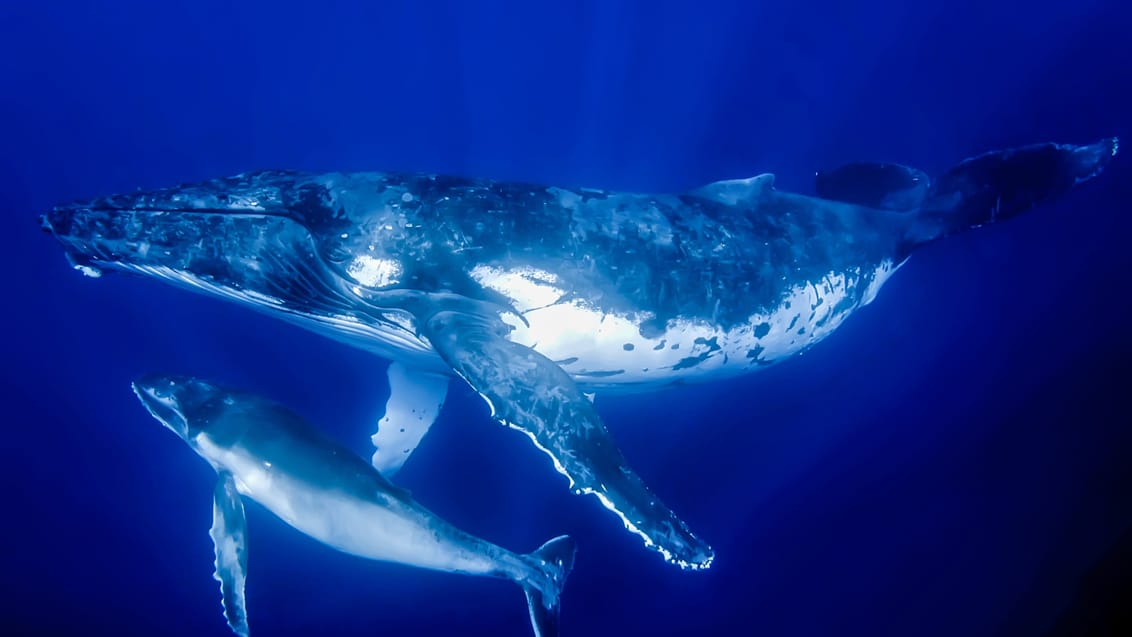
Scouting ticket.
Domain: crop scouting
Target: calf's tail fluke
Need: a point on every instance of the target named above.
(554, 560)
(1002, 184)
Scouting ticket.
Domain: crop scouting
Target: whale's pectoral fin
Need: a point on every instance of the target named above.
(529, 392)
(415, 399)
(230, 539)
(876, 185)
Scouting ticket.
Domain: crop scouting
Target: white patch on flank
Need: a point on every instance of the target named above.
(374, 272)
(527, 288)
(591, 345)
(87, 270)
(879, 277)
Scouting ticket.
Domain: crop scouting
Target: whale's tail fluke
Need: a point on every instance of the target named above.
(554, 560)
(985, 189)
(1002, 184)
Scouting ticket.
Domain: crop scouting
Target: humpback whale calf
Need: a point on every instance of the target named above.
(263, 451)
(538, 296)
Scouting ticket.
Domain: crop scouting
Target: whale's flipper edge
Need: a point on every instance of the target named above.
(230, 541)
(415, 400)
(529, 392)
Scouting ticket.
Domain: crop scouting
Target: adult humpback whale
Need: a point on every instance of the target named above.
(538, 295)
(265, 452)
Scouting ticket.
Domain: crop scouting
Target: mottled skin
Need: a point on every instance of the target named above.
(632, 290)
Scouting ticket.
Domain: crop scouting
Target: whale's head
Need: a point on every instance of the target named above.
(260, 236)
(304, 243)
(185, 405)
(312, 246)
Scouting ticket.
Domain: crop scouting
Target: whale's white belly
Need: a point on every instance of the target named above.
(354, 525)
(608, 350)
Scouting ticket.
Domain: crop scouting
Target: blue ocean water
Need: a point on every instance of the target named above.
(952, 461)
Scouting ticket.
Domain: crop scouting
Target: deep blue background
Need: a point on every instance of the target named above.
(953, 461)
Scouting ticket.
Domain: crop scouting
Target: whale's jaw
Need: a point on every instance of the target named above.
(262, 260)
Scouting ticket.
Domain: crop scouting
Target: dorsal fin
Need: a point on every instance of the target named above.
(876, 185)
(732, 191)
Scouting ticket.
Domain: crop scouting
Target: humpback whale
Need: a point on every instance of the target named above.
(265, 452)
(538, 296)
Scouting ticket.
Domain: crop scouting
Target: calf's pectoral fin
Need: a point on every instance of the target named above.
(529, 392)
(230, 540)
(415, 400)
